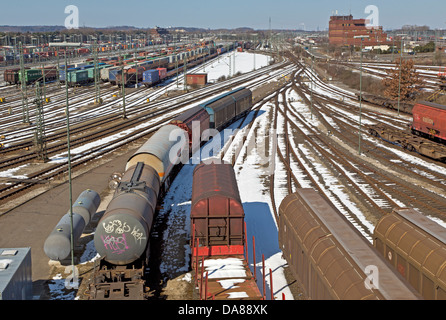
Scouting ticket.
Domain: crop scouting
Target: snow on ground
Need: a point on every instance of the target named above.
(252, 176)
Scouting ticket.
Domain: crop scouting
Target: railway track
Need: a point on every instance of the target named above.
(153, 111)
(382, 190)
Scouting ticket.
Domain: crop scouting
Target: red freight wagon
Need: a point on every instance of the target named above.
(217, 215)
(197, 78)
(162, 72)
(186, 122)
(429, 119)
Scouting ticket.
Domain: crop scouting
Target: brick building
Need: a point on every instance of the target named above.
(343, 29)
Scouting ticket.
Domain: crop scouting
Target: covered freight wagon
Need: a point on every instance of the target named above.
(429, 119)
(11, 75)
(227, 107)
(193, 119)
(330, 258)
(416, 246)
(31, 75)
(217, 215)
(77, 77)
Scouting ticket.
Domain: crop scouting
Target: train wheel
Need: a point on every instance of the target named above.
(411, 148)
(373, 133)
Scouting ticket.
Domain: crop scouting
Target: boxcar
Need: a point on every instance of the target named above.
(31, 75)
(243, 98)
(186, 122)
(11, 75)
(415, 246)
(217, 215)
(330, 258)
(77, 77)
(223, 109)
(50, 73)
(429, 119)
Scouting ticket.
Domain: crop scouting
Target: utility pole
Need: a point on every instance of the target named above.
(360, 96)
(399, 82)
(67, 112)
(44, 86)
(124, 116)
(136, 68)
(39, 134)
(25, 109)
(97, 99)
(185, 72)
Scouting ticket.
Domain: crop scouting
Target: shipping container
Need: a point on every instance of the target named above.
(150, 77)
(162, 72)
(15, 274)
(199, 79)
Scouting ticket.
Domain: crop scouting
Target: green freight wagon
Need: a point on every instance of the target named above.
(91, 71)
(77, 78)
(31, 75)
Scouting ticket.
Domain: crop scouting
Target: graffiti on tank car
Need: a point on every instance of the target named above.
(138, 235)
(117, 244)
(116, 226)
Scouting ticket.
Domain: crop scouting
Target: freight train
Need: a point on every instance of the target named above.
(428, 124)
(218, 236)
(330, 258)
(105, 65)
(404, 107)
(122, 236)
(14, 76)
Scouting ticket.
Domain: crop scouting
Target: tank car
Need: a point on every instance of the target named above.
(58, 244)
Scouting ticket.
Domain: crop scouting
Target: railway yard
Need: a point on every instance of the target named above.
(292, 130)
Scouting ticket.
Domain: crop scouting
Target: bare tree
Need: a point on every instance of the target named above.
(409, 85)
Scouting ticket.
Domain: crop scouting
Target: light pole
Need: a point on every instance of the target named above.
(360, 95)
(65, 45)
(399, 82)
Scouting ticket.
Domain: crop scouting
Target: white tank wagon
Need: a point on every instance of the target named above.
(58, 244)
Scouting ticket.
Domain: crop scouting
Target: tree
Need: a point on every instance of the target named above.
(411, 81)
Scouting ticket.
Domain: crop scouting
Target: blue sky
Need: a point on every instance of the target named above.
(286, 14)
